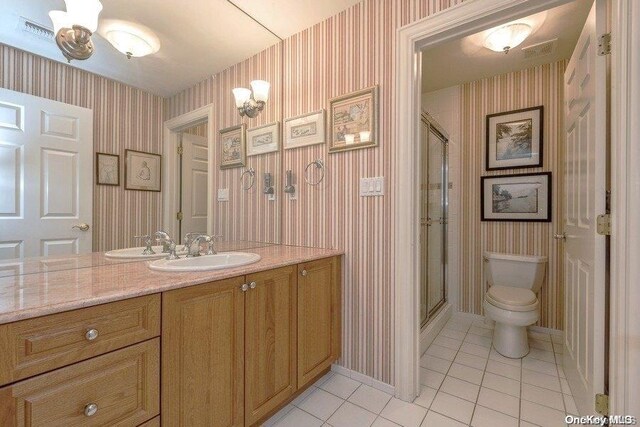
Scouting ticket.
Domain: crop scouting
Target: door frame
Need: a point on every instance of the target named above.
(468, 18)
(171, 167)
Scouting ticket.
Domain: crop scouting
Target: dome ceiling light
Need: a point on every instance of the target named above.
(131, 39)
(505, 38)
(73, 28)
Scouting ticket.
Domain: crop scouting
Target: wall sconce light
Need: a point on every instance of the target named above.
(73, 28)
(252, 106)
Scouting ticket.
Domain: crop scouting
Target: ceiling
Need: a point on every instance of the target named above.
(466, 59)
(198, 38)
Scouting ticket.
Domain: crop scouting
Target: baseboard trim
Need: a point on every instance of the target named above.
(433, 328)
(534, 328)
(365, 379)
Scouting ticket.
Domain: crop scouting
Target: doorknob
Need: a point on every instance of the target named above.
(81, 227)
(562, 236)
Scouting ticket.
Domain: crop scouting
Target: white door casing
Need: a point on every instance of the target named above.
(46, 170)
(195, 183)
(585, 199)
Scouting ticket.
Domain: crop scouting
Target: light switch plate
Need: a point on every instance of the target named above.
(370, 187)
(223, 194)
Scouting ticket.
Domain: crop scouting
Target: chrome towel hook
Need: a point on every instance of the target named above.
(319, 164)
(252, 176)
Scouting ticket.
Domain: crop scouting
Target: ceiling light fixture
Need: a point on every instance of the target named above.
(507, 37)
(133, 40)
(73, 28)
(252, 106)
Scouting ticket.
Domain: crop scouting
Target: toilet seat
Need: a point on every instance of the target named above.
(511, 298)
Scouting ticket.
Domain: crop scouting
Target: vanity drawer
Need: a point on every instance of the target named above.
(121, 388)
(34, 346)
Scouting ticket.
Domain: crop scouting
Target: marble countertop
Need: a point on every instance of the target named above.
(38, 294)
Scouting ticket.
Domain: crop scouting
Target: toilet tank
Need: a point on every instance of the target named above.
(518, 271)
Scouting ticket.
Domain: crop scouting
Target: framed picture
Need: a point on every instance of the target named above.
(232, 144)
(514, 139)
(263, 139)
(304, 130)
(142, 171)
(353, 120)
(107, 169)
(523, 197)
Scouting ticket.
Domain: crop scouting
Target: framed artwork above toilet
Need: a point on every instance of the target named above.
(514, 139)
(523, 197)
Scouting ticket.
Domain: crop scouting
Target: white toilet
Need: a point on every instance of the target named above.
(510, 301)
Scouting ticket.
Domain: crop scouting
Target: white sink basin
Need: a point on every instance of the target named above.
(136, 253)
(206, 262)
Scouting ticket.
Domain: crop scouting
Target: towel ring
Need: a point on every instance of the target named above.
(319, 165)
(252, 174)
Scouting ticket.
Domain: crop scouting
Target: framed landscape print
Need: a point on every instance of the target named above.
(522, 197)
(263, 139)
(304, 130)
(142, 171)
(232, 145)
(353, 120)
(514, 139)
(107, 169)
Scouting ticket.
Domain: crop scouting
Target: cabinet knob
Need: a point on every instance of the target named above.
(304, 272)
(253, 285)
(244, 287)
(90, 410)
(91, 334)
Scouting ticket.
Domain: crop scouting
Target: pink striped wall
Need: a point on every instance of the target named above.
(123, 117)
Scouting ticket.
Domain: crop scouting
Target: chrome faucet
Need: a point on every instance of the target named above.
(188, 239)
(191, 252)
(148, 250)
(163, 237)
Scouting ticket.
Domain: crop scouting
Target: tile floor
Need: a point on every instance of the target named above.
(464, 383)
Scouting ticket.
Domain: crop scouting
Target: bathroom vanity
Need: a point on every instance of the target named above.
(113, 344)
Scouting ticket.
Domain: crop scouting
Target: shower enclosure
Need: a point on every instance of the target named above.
(433, 218)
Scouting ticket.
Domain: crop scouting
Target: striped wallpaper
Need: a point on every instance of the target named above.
(541, 85)
(123, 117)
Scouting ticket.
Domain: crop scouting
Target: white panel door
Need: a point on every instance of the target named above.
(194, 183)
(46, 171)
(585, 198)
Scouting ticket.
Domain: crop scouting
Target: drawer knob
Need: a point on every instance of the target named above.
(304, 272)
(253, 285)
(91, 334)
(244, 287)
(91, 409)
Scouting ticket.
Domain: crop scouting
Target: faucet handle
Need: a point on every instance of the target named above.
(148, 250)
(172, 250)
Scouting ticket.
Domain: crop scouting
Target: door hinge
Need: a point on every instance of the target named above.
(602, 404)
(604, 44)
(604, 225)
(179, 216)
(180, 150)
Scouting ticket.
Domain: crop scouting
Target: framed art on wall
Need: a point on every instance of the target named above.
(522, 197)
(353, 120)
(263, 139)
(107, 169)
(307, 129)
(232, 146)
(514, 139)
(142, 171)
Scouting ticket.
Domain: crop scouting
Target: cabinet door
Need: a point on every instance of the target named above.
(270, 341)
(319, 315)
(203, 355)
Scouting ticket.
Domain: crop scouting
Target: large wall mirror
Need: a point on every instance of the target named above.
(89, 159)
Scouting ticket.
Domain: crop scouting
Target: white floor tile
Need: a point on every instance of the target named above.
(298, 418)
(453, 407)
(448, 342)
(441, 352)
(502, 384)
(462, 327)
(350, 415)
(460, 388)
(498, 401)
(278, 416)
(427, 394)
(541, 415)
(570, 404)
(466, 373)
(471, 360)
(403, 413)
(321, 404)
(476, 350)
(550, 382)
(431, 378)
(526, 424)
(435, 363)
(557, 339)
(370, 398)
(558, 349)
(484, 417)
(340, 385)
(483, 332)
(540, 344)
(434, 419)
(540, 366)
(536, 353)
(561, 373)
(494, 355)
(452, 333)
(383, 422)
(302, 396)
(539, 336)
(542, 396)
(503, 369)
(478, 340)
(564, 385)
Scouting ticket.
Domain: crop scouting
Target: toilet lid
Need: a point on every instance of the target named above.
(515, 297)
